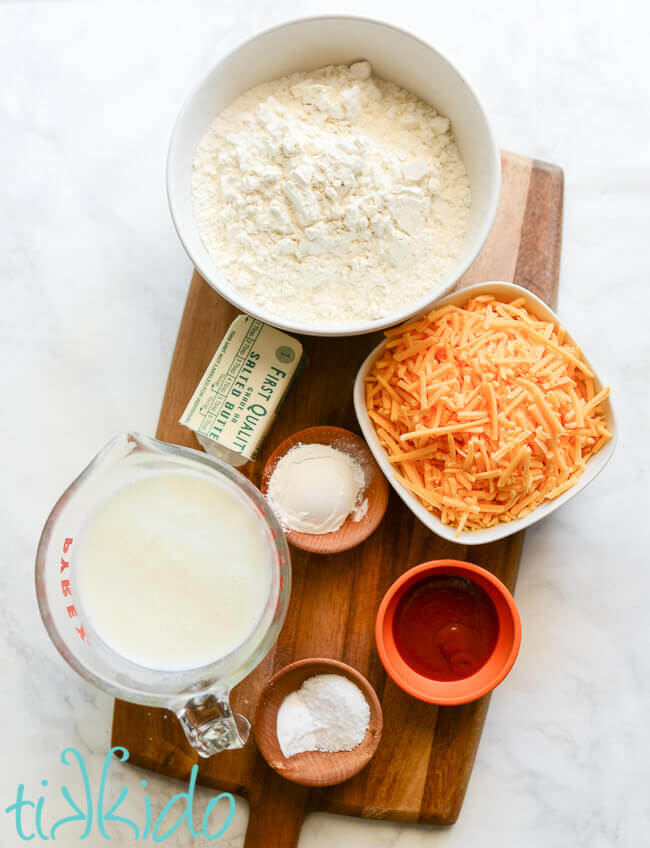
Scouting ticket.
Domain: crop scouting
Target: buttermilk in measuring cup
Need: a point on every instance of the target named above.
(174, 570)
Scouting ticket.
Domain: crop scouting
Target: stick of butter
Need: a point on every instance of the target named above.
(235, 403)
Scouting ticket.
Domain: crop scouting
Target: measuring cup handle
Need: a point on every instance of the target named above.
(211, 726)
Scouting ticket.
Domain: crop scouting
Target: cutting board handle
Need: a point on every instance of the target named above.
(276, 814)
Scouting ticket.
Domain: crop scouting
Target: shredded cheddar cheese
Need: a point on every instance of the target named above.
(485, 411)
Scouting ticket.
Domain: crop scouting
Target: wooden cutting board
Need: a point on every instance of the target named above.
(422, 766)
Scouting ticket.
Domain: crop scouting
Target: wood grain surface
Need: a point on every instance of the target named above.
(422, 767)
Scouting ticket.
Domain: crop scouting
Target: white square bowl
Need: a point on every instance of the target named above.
(594, 466)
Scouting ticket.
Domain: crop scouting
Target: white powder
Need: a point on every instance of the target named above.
(328, 713)
(331, 195)
(315, 487)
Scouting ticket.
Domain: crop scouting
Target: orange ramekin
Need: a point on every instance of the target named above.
(448, 692)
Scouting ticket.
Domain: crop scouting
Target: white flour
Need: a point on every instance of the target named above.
(331, 195)
(328, 713)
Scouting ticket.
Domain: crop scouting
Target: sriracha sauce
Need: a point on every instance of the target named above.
(445, 627)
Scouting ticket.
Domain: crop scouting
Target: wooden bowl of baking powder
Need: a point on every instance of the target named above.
(314, 768)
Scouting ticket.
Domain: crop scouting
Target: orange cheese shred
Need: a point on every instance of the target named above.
(485, 411)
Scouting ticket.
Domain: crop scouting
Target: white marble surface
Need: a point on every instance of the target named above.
(93, 283)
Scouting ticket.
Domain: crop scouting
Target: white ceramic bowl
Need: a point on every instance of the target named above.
(479, 537)
(310, 43)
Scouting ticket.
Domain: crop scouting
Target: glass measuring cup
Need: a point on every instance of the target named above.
(198, 696)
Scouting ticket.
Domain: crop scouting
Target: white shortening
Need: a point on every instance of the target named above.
(331, 195)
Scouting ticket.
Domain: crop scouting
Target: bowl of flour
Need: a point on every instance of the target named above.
(333, 176)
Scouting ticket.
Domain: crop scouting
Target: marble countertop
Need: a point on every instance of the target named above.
(93, 282)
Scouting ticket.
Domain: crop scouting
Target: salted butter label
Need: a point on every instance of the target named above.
(237, 400)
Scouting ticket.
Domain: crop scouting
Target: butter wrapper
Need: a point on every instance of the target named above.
(237, 400)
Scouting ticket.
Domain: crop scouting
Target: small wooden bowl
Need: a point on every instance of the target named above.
(350, 533)
(314, 768)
